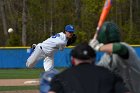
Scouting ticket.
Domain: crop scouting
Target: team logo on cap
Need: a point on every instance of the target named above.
(71, 27)
(85, 52)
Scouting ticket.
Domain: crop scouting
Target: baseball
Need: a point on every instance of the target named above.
(10, 30)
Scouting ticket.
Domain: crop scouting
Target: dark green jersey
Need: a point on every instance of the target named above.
(126, 63)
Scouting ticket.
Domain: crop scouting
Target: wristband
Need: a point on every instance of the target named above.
(97, 48)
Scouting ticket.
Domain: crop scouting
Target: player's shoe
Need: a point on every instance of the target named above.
(32, 48)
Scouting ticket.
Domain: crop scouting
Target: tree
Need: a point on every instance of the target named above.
(3, 17)
(24, 22)
(41, 18)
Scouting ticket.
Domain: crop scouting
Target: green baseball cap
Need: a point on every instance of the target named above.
(109, 33)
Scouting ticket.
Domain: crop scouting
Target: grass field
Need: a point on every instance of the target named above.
(13, 88)
(21, 74)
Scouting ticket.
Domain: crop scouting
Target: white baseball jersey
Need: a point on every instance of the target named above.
(129, 68)
(46, 50)
(58, 41)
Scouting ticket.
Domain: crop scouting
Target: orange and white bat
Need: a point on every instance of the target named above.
(105, 11)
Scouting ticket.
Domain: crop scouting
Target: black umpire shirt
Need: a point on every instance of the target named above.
(86, 78)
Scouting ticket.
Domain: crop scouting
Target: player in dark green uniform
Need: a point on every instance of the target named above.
(119, 56)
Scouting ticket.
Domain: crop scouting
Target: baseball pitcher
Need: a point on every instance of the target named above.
(47, 48)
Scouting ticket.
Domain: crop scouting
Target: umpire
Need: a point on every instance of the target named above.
(84, 77)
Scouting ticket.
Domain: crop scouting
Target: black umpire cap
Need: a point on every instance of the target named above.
(83, 51)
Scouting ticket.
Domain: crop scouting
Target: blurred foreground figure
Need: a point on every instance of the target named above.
(118, 57)
(84, 77)
(45, 80)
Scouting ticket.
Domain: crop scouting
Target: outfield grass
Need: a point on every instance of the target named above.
(20, 73)
(13, 88)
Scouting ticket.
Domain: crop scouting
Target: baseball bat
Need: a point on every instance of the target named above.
(105, 11)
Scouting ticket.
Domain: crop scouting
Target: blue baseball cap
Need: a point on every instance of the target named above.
(69, 28)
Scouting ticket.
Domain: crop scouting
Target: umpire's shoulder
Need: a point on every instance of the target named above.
(64, 73)
(104, 70)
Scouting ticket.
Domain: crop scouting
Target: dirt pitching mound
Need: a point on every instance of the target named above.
(18, 82)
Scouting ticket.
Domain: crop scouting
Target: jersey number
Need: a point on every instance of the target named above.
(56, 35)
